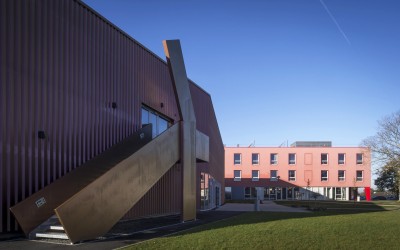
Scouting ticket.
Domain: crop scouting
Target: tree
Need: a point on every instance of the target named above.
(389, 178)
(385, 146)
(386, 143)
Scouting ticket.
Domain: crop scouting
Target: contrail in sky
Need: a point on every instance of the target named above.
(334, 20)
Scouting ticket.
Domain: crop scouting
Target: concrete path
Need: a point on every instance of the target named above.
(268, 206)
(131, 233)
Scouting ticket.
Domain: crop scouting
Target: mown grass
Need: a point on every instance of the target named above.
(358, 206)
(267, 230)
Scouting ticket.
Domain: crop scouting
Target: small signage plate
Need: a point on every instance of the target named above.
(40, 202)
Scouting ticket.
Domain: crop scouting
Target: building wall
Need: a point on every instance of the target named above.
(308, 166)
(207, 123)
(62, 67)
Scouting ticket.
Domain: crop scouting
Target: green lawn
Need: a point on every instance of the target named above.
(266, 230)
(345, 205)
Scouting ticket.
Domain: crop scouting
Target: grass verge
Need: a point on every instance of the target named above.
(267, 230)
(357, 206)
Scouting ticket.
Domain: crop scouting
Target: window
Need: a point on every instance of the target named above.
(292, 175)
(341, 159)
(324, 159)
(255, 175)
(228, 193)
(274, 175)
(324, 175)
(340, 193)
(274, 159)
(237, 175)
(341, 175)
(237, 159)
(250, 193)
(359, 158)
(255, 159)
(159, 123)
(292, 159)
(360, 175)
(206, 191)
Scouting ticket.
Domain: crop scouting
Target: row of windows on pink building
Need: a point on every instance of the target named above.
(305, 170)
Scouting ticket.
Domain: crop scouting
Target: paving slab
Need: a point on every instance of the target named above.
(267, 206)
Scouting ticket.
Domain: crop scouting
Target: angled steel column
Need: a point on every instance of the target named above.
(40, 206)
(94, 210)
(173, 52)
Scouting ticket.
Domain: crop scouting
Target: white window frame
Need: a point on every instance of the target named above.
(273, 178)
(362, 176)
(327, 175)
(327, 159)
(344, 175)
(240, 159)
(237, 178)
(344, 159)
(294, 158)
(258, 175)
(258, 159)
(292, 178)
(362, 159)
(273, 162)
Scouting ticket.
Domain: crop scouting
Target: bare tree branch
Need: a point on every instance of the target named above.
(385, 145)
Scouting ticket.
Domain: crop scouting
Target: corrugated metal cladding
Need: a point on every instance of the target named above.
(207, 123)
(166, 192)
(68, 72)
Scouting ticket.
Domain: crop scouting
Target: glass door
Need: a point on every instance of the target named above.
(272, 193)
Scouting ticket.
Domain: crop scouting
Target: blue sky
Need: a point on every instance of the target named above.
(280, 70)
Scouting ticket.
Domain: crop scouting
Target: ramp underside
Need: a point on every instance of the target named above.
(94, 210)
(37, 208)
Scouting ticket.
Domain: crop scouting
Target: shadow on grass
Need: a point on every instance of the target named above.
(328, 208)
(131, 232)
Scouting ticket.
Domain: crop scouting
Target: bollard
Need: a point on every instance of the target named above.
(256, 205)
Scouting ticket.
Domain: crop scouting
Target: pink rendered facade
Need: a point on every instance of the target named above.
(297, 172)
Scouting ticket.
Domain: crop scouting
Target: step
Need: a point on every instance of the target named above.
(52, 235)
(57, 228)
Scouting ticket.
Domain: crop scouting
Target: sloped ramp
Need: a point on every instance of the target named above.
(93, 197)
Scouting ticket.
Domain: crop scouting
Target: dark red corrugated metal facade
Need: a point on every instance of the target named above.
(62, 66)
(207, 124)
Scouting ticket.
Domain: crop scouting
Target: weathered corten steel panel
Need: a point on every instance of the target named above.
(39, 207)
(93, 211)
(173, 52)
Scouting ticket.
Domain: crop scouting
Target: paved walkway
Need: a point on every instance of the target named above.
(126, 234)
(268, 206)
(136, 231)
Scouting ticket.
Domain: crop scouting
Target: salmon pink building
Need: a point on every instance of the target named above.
(305, 170)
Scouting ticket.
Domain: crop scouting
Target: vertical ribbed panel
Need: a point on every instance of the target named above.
(165, 197)
(207, 124)
(62, 66)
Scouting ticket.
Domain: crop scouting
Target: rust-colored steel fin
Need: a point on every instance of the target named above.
(37, 208)
(93, 211)
(176, 64)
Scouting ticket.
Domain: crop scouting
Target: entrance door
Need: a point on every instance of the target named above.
(283, 193)
(272, 193)
(278, 193)
(290, 193)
